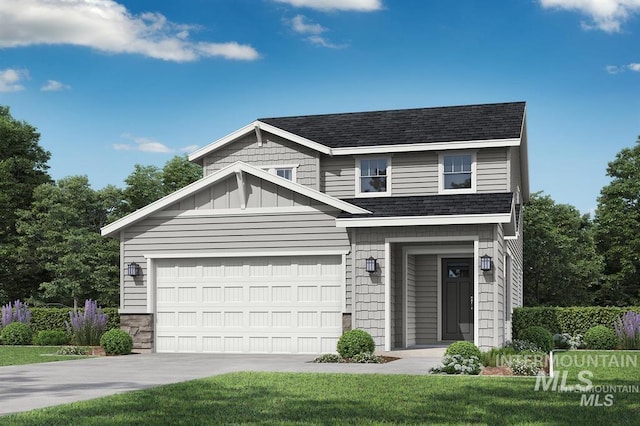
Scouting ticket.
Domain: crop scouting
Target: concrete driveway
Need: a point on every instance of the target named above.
(27, 387)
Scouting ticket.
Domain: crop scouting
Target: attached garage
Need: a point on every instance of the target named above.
(268, 304)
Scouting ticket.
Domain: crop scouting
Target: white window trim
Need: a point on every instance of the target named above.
(358, 175)
(474, 174)
(271, 168)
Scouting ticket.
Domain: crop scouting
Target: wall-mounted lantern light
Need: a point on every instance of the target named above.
(133, 269)
(371, 264)
(485, 262)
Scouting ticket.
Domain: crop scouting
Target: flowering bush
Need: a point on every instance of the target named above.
(457, 364)
(367, 358)
(329, 358)
(627, 329)
(522, 345)
(87, 327)
(19, 312)
(567, 341)
(524, 367)
(72, 350)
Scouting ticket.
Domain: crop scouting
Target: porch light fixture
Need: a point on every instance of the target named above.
(485, 262)
(133, 269)
(371, 264)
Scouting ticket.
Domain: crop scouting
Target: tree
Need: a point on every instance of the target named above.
(23, 167)
(147, 184)
(618, 230)
(561, 265)
(59, 234)
(178, 173)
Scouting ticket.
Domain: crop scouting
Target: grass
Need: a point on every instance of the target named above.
(19, 355)
(286, 398)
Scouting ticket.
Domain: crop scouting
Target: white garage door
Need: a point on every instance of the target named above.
(249, 305)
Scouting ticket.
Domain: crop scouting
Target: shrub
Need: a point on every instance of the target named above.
(627, 329)
(87, 327)
(567, 341)
(566, 319)
(116, 342)
(355, 342)
(18, 312)
(17, 333)
(457, 364)
(600, 337)
(464, 348)
(367, 358)
(539, 336)
(57, 318)
(524, 367)
(72, 350)
(51, 338)
(329, 358)
(522, 345)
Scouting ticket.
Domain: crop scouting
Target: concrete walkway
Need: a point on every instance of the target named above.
(27, 387)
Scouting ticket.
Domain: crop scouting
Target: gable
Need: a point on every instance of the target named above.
(248, 191)
(224, 196)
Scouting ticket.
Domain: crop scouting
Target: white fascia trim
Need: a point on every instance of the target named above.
(294, 138)
(222, 174)
(243, 131)
(194, 255)
(258, 127)
(128, 311)
(424, 220)
(263, 211)
(435, 146)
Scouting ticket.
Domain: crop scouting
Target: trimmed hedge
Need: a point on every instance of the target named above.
(54, 318)
(569, 320)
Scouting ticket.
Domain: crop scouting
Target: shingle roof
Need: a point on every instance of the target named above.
(407, 126)
(432, 205)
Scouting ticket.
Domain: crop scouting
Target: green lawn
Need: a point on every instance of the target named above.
(18, 355)
(345, 398)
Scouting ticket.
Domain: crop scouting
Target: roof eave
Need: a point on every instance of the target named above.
(469, 219)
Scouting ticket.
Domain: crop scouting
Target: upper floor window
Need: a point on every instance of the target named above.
(457, 172)
(373, 176)
(287, 172)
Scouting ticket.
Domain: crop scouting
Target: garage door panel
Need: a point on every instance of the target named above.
(249, 305)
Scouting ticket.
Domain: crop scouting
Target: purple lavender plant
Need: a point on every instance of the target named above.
(87, 327)
(18, 312)
(627, 329)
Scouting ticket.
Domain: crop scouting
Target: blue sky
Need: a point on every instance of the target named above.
(113, 83)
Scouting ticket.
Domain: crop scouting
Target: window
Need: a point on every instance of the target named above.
(286, 171)
(373, 176)
(457, 172)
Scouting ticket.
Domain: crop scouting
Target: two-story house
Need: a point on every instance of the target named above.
(403, 223)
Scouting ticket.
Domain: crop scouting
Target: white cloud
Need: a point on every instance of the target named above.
(321, 41)
(634, 67)
(606, 15)
(189, 148)
(300, 25)
(327, 5)
(10, 79)
(613, 69)
(142, 144)
(54, 86)
(107, 26)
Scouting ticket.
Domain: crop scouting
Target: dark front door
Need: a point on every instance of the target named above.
(457, 299)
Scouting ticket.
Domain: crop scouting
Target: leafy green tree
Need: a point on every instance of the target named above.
(23, 167)
(147, 184)
(561, 265)
(618, 230)
(178, 173)
(59, 233)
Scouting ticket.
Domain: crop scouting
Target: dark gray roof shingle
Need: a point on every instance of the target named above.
(408, 126)
(432, 205)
